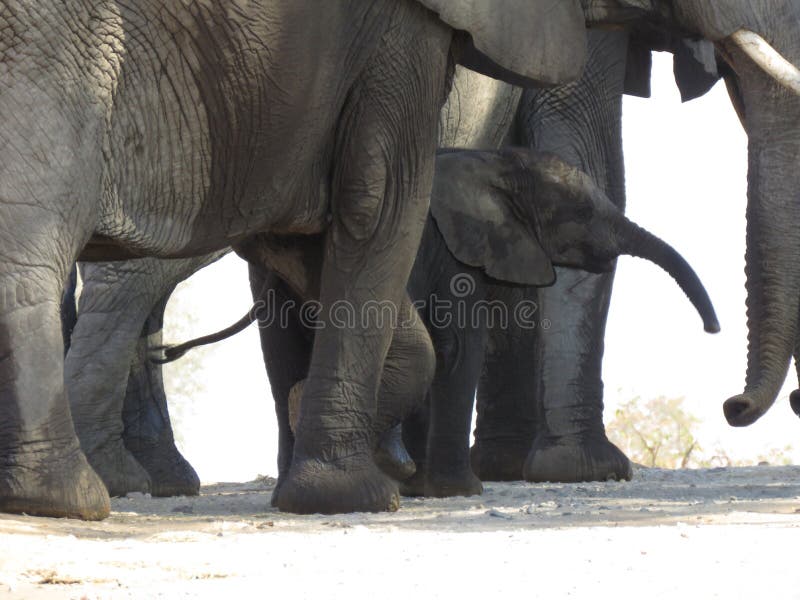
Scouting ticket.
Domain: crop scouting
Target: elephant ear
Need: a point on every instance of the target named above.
(694, 65)
(639, 68)
(472, 208)
(523, 42)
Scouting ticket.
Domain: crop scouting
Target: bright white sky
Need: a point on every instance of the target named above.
(686, 181)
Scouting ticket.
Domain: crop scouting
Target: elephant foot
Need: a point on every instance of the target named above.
(794, 402)
(46, 483)
(118, 469)
(457, 482)
(569, 459)
(392, 457)
(414, 486)
(354, 485)
(499, 460)
(170, 473)
(273, 501)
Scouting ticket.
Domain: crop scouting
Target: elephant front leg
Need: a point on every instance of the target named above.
(507, 417)
(571, 444)
(459, 352)
(380, 188)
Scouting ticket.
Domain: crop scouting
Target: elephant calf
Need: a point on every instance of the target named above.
(499, 222)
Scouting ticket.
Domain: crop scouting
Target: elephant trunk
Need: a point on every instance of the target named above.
(635, 241)
(773, 249)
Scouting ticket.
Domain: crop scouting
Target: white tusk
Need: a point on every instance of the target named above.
(769, 59)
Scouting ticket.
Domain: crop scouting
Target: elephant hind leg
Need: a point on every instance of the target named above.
(50, 188)
(42, 469)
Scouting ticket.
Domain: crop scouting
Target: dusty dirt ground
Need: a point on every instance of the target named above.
(719, 533)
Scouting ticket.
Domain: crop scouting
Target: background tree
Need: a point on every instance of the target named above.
(661, 432)
(655, 433)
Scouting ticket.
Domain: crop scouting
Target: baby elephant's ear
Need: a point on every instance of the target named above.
(479, 225)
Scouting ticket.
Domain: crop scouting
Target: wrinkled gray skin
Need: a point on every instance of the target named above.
(130, 131)
(540, 399)
(575, 442)
(498, 221)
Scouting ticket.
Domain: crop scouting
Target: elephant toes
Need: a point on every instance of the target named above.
(53, 484)
(499, 460)
(570, 460)
(170, 473)
(119, 470)
(316, 486)
(454, 483)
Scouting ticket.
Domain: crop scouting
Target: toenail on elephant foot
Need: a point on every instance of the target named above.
(455, 483)
(52, 484)
(314, 486)
(119, 470)
(499, 460)
(170, 473)
(570, 459)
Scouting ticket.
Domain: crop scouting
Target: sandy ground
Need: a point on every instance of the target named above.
(719, 533)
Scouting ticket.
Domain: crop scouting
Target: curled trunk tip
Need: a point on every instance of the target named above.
(636, 241)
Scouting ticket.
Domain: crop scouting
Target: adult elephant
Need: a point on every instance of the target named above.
(131, 131)
(550, 415)
(759, 43)
(565, 421)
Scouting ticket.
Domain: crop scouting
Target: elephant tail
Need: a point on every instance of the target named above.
(166, 354)
(636, 241)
